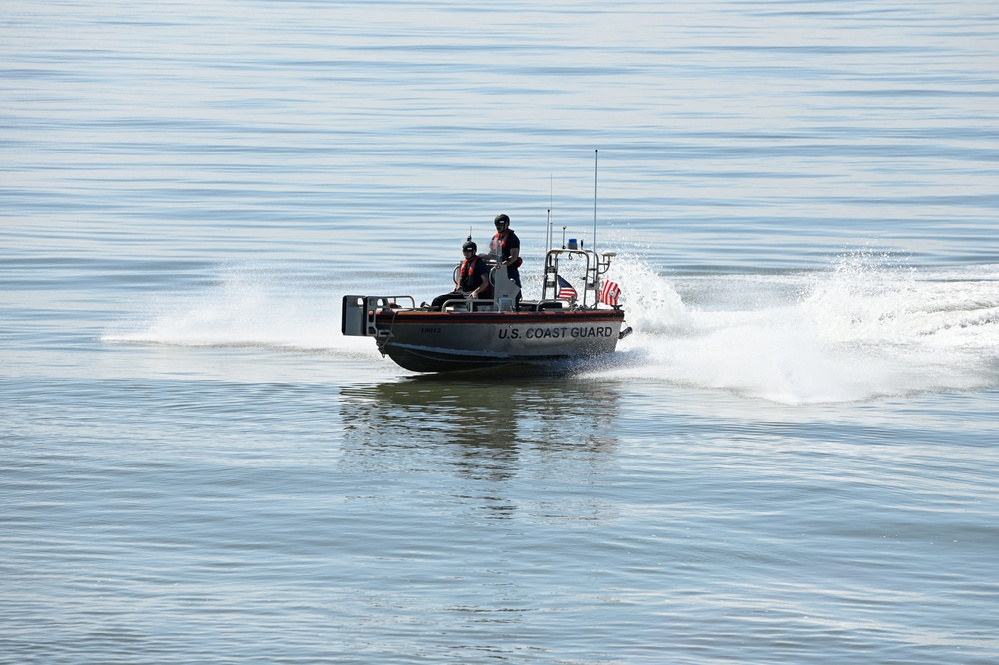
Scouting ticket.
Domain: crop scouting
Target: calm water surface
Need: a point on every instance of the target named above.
(792, 460)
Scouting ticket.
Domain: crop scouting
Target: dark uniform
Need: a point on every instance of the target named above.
(502, 244)
(470, 275)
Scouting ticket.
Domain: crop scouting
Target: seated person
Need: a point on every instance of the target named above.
(473, 278)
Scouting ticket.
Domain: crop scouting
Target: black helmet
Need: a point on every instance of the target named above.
(501, 219)
(469, 245)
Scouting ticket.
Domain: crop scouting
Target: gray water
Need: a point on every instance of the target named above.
(792, 460)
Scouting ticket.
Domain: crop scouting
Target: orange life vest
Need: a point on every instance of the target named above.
(467, 272)
(498, 247)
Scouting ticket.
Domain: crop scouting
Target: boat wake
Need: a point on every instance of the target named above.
(245, 308)
(869, 327)
(865, 329)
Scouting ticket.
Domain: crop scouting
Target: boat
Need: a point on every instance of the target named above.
(461, 334)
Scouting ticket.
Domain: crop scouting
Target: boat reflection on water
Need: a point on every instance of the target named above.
(494, 430)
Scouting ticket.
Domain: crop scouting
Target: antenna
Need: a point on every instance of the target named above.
(548, 231)
(549, 237)
(594, 201)
(596, 256)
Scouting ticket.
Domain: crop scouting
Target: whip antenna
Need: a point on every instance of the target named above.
(548, 231)
(594, 200)
(550, 237)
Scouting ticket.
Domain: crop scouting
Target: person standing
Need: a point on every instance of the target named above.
(473, 278)
(505, 248)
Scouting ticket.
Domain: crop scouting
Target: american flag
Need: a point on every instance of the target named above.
(565, 290)
(610, 293)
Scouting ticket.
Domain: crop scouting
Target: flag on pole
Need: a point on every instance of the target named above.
(610, 293)
(565, 290)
